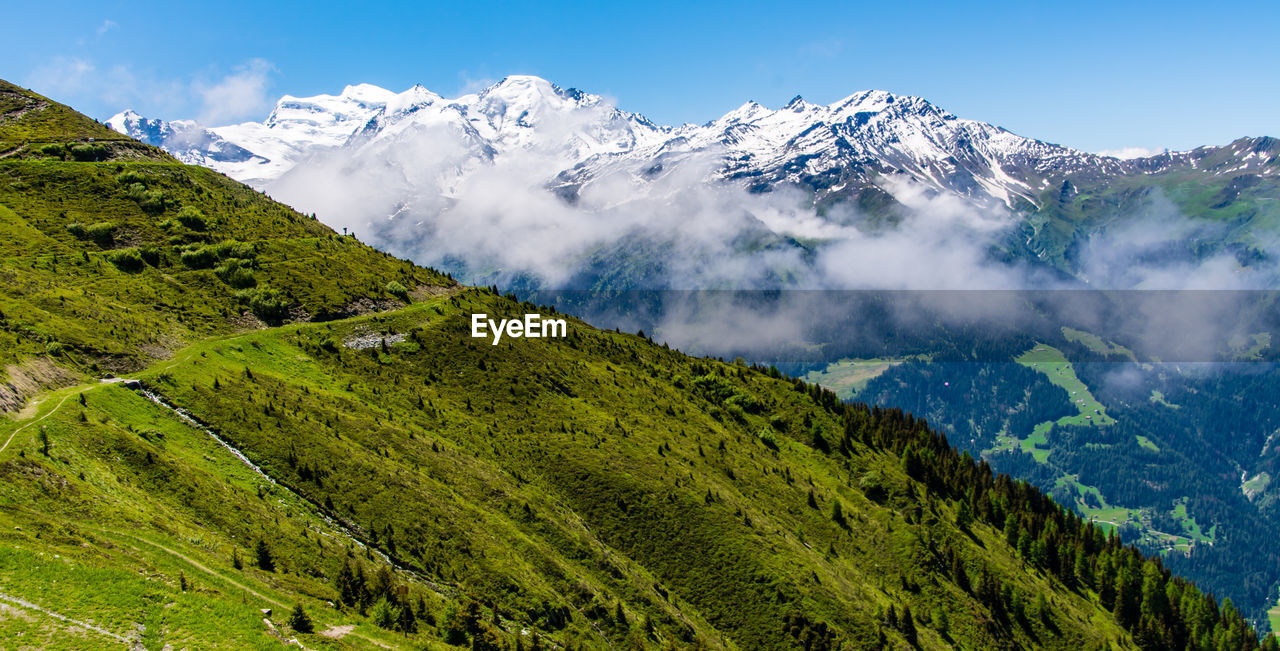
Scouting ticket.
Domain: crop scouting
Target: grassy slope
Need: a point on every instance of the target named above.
(1210, 193)
(30, 122)
(64, 292)
(599, 490)
(849, 376)
(1051, 362)
(618, 509)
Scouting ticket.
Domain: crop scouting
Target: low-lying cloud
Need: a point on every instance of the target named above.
(442, 197)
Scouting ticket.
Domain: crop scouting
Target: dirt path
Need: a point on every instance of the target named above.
(51, 412)
(339, 632)
(196, 564)
(32, 408)
(199, 566)
(75, 622)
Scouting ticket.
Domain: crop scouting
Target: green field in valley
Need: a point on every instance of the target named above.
(1274, 616)
(1095, 343)
(1054, 365)
(849, 376)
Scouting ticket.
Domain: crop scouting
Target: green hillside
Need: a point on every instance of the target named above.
(34, 126)
(109, 266)
(1226, 210)
(315, 432)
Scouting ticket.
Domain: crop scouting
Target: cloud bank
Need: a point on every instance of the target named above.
(442, 197)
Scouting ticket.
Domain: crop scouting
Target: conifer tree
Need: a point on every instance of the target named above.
(408, 621)
(907, 625)
(1082, 569)
(958, 574)
(345, 584)
(384, 615)
(263, 557)
(299, 621)
(964, 515)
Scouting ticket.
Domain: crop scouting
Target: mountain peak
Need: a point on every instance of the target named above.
(749, 110)
(523, 80)
(867, 100)
(524, 97)
(417, 96)
(121, 120)
(797, 103)
(793, 144)
(366, 92)
(522, 85)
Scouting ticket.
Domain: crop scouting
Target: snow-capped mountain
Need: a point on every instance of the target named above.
(836, 148)
(256, 152)
(829, 148)
(525, 178)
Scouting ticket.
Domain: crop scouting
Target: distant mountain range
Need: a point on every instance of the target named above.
(383, 161)
(835, 148)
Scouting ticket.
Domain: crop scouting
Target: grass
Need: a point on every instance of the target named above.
(469, 462)
(1256, 485)
(1250, 347)
(1109, 516)
(1036, 444)
(1105, 515)
(64, 301)
(1273, 615)
(1200, 194)
(1054, 365)
(847, 377)
(115, 564)
(1158, 398)
(1190, 527)
(27, 116)
(1096, 344)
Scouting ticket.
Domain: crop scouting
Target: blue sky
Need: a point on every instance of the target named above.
(1103, 75)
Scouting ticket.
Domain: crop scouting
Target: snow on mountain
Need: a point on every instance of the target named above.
(526, 179)
(841, 148)
(830, 148)
(186, 140)
(256, 152)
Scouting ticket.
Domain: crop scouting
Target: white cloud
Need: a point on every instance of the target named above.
(79, 81)
(241, 94)
(62, 76)
(472, 84)
(434, 193)
(106, 26)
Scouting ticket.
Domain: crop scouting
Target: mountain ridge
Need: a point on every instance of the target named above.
(735, 130)
(400, 163)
